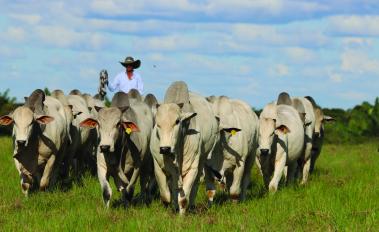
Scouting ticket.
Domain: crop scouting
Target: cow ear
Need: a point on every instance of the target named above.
(282, 129)
(98, 108)
(44, 119)
(130, 127)
(328, 118)
(89, 123)
(187, 116)
(181, 105)
(6, 120)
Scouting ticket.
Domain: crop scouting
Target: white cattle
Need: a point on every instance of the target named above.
(281, 142)
(183, 136)
(82, 146)
(123, 152)
(318, 136)
(309, 127)
(234, 153)
(39, 137)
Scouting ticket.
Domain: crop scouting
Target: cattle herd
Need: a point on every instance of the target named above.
(170, 147)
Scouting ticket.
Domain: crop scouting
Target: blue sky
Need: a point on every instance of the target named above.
(245, 49)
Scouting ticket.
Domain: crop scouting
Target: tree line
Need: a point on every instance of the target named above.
(351, 126)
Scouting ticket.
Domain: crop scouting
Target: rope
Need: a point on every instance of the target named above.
(103, 84)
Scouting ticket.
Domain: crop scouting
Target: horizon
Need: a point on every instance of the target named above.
(250, 50)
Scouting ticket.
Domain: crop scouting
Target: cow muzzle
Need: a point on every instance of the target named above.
(105, 148)
(21, 143)
(165, 150)
(264, 152)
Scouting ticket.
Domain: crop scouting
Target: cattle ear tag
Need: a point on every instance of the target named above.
(128, 130)
(233, 132)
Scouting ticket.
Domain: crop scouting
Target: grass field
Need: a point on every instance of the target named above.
(343, 194)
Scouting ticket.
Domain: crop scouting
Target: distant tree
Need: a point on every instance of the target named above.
(107, 102)
(375, 116)
(47, 91)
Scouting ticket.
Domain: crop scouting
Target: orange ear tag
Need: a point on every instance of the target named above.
(233, 132)
(128, 130)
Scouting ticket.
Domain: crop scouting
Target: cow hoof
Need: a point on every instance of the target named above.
(166, 204)
(182, 212)
(234, 198)
(272, 189)
(42, 188)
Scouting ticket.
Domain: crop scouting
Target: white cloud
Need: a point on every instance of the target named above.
(357, 42)
(65, 37)
(31, 19)
(356, 61)
(280, 70)
(9, 52)
(299, 55)
(166, 43)
(15, 34)
(88, 73)
(353, 95)
(367, 25)
(271, 6)
(335, 77)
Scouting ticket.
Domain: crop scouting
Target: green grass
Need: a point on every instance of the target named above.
(343, 194)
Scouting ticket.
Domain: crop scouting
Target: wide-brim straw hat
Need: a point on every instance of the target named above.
(129, 61)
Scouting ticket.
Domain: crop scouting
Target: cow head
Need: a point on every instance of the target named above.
(267, 131)
(24, 120)
(110, 124)
(320, 120)
(170, 123)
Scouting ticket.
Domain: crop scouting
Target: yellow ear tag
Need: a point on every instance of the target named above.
(233, 132)
(128, 131)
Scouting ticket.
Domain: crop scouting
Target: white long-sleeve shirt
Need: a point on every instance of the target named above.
(122, 83)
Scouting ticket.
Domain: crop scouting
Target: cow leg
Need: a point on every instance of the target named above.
(103, 179)
(235, 188)
(209, 185)
(184, 195)
(162, 184)
(313, 162)
(132, 182)
(145, 194)
(121, 181)
(280, 162)
(291, 172)
(246, 176)
(258, 163)
(307, 163)
(45, 180)
(192, 196)
(26, 179)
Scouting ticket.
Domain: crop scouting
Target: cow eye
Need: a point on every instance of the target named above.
(177, 121)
